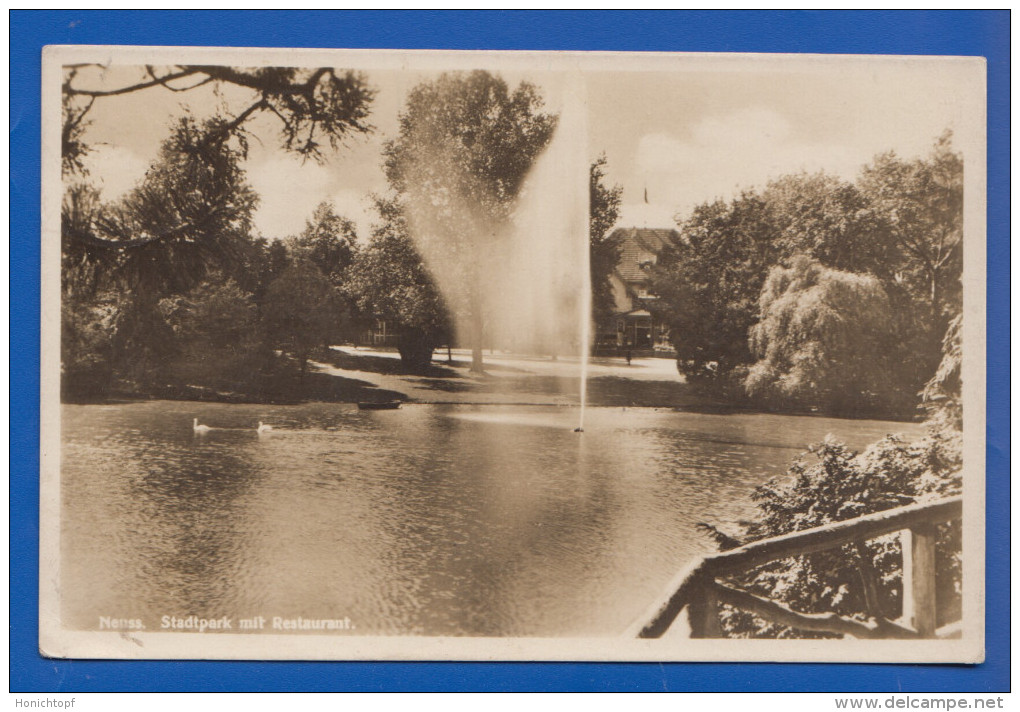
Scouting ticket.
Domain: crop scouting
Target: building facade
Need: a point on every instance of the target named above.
(632, 325)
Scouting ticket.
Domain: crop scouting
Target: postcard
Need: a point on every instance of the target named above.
(435, 355)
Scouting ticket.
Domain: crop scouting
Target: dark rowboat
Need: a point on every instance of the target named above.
(384, 405)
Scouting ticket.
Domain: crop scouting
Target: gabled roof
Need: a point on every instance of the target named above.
(635, 244)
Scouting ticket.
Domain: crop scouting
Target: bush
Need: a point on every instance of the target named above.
(217, 338)
(86, 350)
(839, 485)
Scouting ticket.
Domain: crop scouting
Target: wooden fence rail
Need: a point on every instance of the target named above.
(697, 589)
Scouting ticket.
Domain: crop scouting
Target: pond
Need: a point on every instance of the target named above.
(427, 520)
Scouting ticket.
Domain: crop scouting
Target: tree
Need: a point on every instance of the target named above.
(604, 208)
(465, 145)
(942, 394)
(278, 260)
(191, 213)
(920, 203)
(390, 282)
(829, 339)
(708, 280)
(832, 221)
(86, 347)
(299, 311)
(311, 105)
(329, 241)
(841, 484)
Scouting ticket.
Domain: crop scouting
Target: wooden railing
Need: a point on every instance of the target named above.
(698, 589)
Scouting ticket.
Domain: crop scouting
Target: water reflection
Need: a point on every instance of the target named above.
(430, 520)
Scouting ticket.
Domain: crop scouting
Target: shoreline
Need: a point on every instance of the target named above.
(351, 375)
(699, 408)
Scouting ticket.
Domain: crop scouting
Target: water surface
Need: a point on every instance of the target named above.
(428, 520)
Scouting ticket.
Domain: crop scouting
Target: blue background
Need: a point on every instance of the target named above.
(978, 33)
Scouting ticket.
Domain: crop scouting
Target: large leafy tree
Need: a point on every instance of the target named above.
(299, 311)
(330, 241)
(920, 203)
(604, 209)
(708, 280)
(831, 220)
(390, 283)
(465, 145)
(190, 214)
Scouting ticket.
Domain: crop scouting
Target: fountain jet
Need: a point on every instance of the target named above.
(531, 280)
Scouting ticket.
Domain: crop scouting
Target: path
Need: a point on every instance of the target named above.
(513, 378)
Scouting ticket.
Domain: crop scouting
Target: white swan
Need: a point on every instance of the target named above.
(199, 428)
(264, 428)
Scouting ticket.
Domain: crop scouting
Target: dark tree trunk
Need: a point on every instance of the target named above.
(415, 348)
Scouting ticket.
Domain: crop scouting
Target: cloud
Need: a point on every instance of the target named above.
(114, 169)
(723, 154)
(750, 126)
(288, 190)
(358, 207)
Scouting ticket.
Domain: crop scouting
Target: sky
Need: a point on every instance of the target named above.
(697, 132)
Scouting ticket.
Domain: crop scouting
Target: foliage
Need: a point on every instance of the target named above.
(842, 485)
(86, 347)
(604, 209)
(390, 283)
(828, 339)
(277, 260)
(217, 336)
(311, 105)
(942, 393)
(920, 203)
(299, 311)
(138, 292)
(832, 221)
(898, 228)
(465, 145)
(329, 241)
(191, 213)
(708, 282)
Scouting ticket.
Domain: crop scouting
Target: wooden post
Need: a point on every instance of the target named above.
(918, 545)
(703, 610)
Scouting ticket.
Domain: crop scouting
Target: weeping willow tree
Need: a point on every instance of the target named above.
(829, 339)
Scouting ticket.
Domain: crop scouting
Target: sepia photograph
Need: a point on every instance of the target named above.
(436, 355)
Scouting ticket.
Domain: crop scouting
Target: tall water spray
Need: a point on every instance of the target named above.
(531, 280)
(551, 242)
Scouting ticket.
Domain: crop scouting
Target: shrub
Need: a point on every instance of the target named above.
(839, 485)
